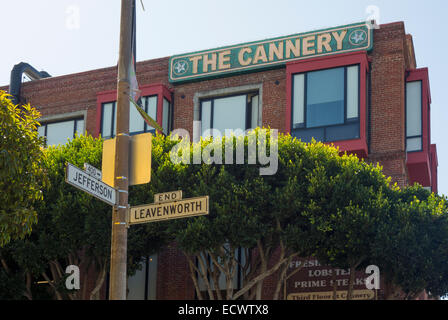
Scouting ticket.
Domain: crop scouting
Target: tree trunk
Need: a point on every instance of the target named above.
(259, 286)
(95, 294)
(281, 282)
(5, 266)
(230, 275)
(203, 273)
(55, 290)
(264, 266)
(335, 286)
(29, 281)
(193, 270)
(215, 272)
(258, 278)
(350, 283)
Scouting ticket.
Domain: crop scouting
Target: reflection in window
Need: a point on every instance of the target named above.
(59, 132)
(234, 113)
(136, 122)
(326, 104)
(414, 116)
(325, 98)
(166, 125)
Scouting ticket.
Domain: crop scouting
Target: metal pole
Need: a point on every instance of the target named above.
(118, 257)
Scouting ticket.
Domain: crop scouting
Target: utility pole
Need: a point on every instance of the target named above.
(118, 257)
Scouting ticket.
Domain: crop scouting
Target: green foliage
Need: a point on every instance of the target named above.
(21, 174)
(339, 209)
(347, 204)
(73, 227)
(335, 207)
(411, 243)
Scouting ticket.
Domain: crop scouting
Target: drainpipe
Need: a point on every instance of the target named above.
(15, 83)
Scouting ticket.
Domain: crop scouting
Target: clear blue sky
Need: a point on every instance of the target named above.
(68, 36)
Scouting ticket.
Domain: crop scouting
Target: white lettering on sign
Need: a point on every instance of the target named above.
(81, 180)
(328, 272)
(324, 283)
(304, 264)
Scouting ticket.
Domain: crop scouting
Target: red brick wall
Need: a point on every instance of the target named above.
(274, 98)
(173, 279)
(387, 103)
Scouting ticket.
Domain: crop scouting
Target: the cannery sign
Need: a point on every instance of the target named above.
(255, 56)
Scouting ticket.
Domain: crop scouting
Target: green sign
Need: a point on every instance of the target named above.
(259, 55)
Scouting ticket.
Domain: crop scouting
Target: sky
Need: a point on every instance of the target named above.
(70, 36)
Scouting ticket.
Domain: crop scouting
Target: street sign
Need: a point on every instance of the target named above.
(168, 196)
(328, 295)
(83, 181)
(94, 172)
(139, 159)
(269, 53)
(168, 210)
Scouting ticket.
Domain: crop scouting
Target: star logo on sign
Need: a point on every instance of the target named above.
(358, 37)
(180, 67)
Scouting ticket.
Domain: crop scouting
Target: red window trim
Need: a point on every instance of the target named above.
(357, 146)
(422, 164)
(422, 75)
(158, 89)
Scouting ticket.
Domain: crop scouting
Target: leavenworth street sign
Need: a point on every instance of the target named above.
(259, 55)
(161, 210)
(86, 182)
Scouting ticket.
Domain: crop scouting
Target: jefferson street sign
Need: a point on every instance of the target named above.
(170, 210)
(82, 180)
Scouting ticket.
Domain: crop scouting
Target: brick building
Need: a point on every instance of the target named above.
(354, 86)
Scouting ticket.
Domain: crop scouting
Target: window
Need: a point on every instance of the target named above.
(143, 284)
(167, 116)
(58, 132)
(242, 266)
(136, 123)
(325, 104)
(414, 132)
(237, 112)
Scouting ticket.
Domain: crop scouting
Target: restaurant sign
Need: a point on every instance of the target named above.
(259, 55)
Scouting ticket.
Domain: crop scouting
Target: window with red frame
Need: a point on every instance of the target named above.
(414, 130)
(136, 123)
(325, 104)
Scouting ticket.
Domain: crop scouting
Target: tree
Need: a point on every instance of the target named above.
(239, 219)
(411, 245)
(21, 174)
(272, 218)
(74, 229)
(344, 201)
